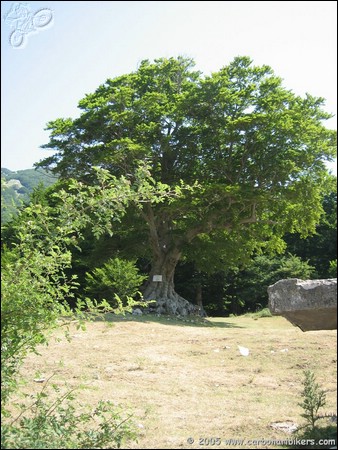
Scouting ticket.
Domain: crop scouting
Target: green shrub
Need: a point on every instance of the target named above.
(265, 312)
(333, 269)
(117, 277)
(313, 399)
(318, 427)
(248, 287)
(58, 424)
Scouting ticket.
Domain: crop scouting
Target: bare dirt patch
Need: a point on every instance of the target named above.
(188, 380)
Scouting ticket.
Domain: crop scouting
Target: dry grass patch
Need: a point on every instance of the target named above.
(186, 379)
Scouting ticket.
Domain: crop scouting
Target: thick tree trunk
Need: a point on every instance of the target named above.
(199, 301)
(160, 286)
(166, 254)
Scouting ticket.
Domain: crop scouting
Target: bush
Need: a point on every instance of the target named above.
(249, 286)
(333, 269)
(317, 427)
(57, 424)
(117, 277)
(314, 398)
(265, 312)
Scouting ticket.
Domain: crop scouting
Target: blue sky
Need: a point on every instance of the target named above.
(87, 42)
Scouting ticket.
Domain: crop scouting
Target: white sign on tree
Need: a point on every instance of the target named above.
(157, 277)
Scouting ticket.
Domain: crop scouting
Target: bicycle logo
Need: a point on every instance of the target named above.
(24, 22)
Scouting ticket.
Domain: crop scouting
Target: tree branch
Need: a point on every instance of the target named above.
(148, 214)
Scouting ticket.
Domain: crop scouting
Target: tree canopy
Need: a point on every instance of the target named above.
(251, 150)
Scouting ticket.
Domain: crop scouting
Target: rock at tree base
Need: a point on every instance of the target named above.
(310, 304)
(175, 306)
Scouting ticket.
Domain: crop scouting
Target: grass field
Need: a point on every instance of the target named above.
(188, 379)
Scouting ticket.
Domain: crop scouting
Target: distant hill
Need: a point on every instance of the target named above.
(16, 188)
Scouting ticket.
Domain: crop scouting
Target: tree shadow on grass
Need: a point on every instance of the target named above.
(224, 325)
(190, 321)
(321, 437)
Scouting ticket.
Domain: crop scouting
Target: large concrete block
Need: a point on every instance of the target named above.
(310, 304)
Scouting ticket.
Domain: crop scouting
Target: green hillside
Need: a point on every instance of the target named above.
(16, 188)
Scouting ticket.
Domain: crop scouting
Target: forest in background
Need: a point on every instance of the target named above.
(237, 290)
(235, 162)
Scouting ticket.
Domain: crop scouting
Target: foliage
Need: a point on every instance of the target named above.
(251, 145)
(223, 289)
(321, 247)
(319, 431)
(263, 271)
(35, 287)
(222, 281)
(116, 277)
(333, 269)
(313, 399)
(265, 312)
(58, 424)
(321, 437)
(240, 289)
(33, 290)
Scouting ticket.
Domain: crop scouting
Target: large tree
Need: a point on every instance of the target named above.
(251, 149)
